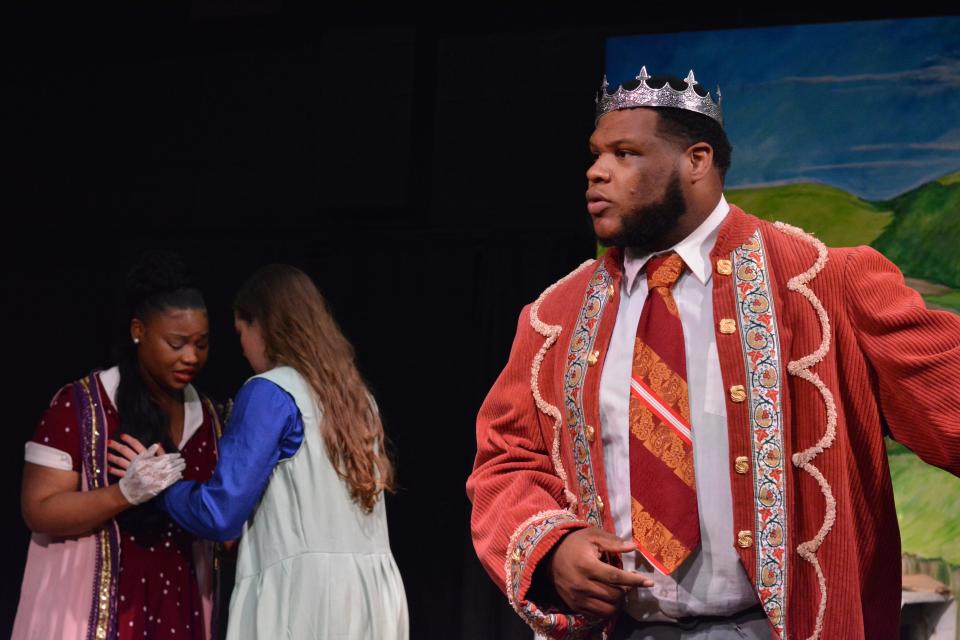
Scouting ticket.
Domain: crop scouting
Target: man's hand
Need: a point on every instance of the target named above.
(584, 581)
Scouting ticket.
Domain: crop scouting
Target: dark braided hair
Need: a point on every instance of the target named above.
(158, 282)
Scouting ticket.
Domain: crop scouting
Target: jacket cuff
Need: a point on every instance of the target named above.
(531, 541)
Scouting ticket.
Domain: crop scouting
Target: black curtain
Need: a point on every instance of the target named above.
(427, 172)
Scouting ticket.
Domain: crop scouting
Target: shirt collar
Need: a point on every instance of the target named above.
(694, 249)
(192, 408)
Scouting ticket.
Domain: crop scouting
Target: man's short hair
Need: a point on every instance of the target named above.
(687, 128)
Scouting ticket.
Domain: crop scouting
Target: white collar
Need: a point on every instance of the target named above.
(694, 249)
(192, 407)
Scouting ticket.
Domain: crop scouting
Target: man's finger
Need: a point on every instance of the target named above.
(607, 542)
(598, 608)
(628, 579)
(611, 575)
(599, 590)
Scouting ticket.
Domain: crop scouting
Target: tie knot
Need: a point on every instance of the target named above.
(664, 270)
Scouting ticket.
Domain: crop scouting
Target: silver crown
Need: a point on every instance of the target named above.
(666, 96)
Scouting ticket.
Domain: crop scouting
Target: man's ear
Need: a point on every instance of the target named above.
(699, 159)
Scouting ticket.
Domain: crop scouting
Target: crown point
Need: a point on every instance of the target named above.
(690, 80)
(605, 83)
(643, 75)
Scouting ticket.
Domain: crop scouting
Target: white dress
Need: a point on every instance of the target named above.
(312, 563)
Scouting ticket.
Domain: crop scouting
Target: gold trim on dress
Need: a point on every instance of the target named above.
(102, 622)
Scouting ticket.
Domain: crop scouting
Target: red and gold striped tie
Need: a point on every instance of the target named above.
(666, 523)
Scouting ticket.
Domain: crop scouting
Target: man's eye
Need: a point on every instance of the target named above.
(623, 153)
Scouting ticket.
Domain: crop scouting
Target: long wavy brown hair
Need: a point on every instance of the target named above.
(299, 331)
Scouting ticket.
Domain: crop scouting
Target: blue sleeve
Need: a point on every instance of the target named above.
(265, 426)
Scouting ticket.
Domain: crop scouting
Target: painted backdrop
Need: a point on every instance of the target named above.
(852, 132)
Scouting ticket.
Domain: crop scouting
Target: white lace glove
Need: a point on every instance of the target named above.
(149, 474)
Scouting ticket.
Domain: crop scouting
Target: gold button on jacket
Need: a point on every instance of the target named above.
(593, 358)
(728, 325)
(591, 432)
(745, 539)
(724, 267)
(741, 465)
(738, 393)
(599, 504)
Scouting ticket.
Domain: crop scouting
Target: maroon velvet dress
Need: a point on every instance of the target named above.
(159, 584)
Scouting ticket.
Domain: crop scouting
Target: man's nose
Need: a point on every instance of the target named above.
(597, 172)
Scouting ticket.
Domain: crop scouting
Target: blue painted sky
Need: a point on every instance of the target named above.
(870, 107)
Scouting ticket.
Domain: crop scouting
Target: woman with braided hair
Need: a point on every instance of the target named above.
(104, 561)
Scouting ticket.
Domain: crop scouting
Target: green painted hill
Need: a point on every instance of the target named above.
(947, 301)
(836, 217)
(923, 238)
(949, 179)
(928, 506)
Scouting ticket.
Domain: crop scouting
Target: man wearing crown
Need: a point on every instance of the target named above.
(687, 439)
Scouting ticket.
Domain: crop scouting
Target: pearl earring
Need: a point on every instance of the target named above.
(136, 341)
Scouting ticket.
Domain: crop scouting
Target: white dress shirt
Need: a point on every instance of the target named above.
(711, 581)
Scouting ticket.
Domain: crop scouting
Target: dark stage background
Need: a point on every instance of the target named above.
(425, 169)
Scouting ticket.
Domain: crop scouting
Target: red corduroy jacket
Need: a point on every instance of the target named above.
(822, 352)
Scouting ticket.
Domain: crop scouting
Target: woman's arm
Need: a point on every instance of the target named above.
(265, 426)
(50, 499)
(52, 502)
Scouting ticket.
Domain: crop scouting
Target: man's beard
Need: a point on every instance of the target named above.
(646, 227)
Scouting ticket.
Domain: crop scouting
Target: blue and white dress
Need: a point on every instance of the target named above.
(312, 563)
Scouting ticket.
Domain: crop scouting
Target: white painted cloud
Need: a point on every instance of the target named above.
(921, 146)
(877, 164)
(943, 73)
